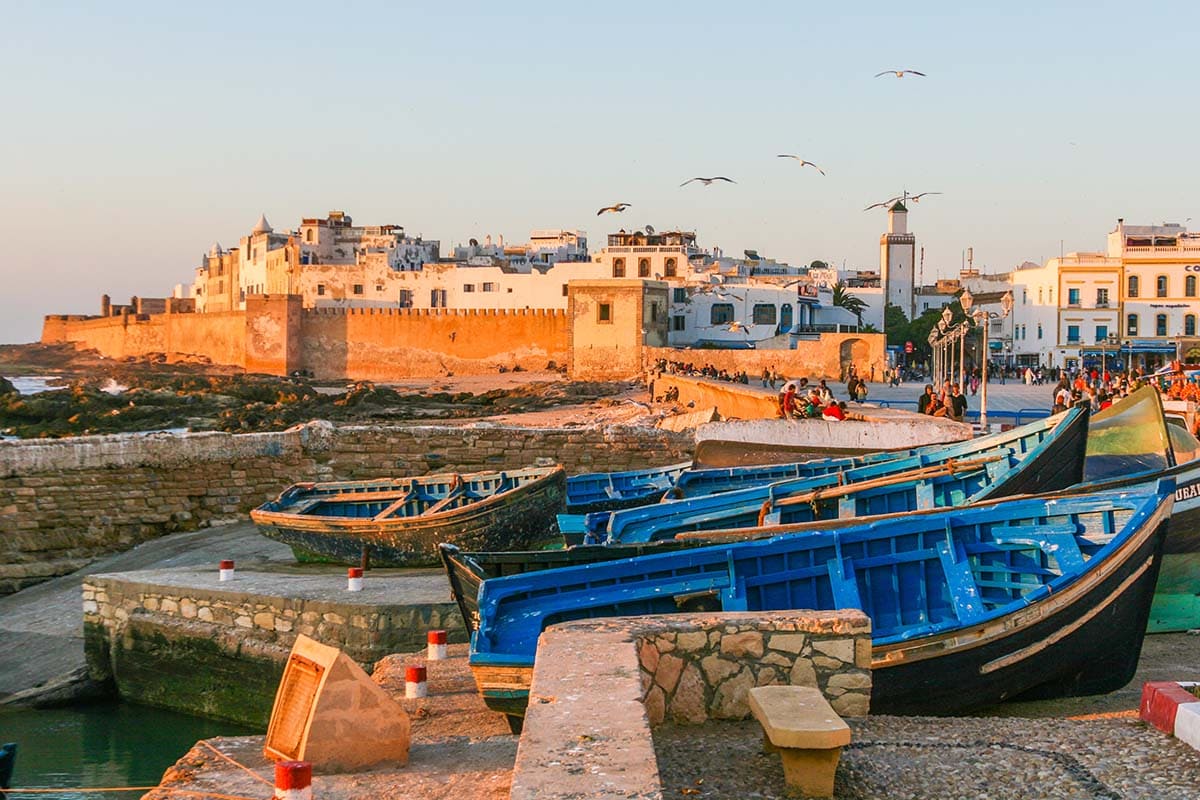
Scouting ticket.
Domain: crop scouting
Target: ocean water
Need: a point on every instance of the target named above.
(101, 745)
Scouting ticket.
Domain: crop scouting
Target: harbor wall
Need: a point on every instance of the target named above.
(152, 639)
(275, 335)
(732, 400)
(386, 344)
(65, 502)
(683, 668)
(828, 356)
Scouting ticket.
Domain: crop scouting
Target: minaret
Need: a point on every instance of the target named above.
(897, 257)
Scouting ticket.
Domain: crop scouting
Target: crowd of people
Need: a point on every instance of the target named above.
(706, 371)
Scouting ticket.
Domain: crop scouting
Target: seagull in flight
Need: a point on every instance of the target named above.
(708, 181)
(916, 198)
(884, 204)
(734, 327)
(617, 209)
(803, 163)
(899, 73)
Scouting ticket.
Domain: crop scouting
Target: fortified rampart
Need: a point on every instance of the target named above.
(277, 336)
(67, 501)
(828, 356)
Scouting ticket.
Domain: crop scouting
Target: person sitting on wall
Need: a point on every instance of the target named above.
(925, 399)
(835, 411)
(787, 400)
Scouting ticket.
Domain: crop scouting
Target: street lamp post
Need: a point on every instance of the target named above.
(932, 353)
(983, 318)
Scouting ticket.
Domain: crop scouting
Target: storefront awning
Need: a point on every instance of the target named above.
(1130, 347)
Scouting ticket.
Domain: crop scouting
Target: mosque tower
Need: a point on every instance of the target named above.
(897, 257)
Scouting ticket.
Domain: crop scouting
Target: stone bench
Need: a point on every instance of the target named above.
(803, 728)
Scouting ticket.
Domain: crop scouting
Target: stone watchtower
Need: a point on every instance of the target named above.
(897, 256)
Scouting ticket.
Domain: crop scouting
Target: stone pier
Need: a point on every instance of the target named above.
(180, 639)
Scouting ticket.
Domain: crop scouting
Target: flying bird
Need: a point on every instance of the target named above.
(916, 198)
(803, 163)
(884, 204)
(734, 327)
(899, 73)
(708, 181)
(617, 209)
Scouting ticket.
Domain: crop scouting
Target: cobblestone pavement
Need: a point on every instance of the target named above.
(914, 758)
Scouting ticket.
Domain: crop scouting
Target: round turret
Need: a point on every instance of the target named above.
(262, 226)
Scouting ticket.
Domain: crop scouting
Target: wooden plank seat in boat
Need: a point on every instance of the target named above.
(800, 725)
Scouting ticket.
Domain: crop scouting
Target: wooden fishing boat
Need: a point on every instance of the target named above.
(601, 491)
(1131, 442)
(466, 571)
(400, 521)
(1020, 598)
(1046, 455)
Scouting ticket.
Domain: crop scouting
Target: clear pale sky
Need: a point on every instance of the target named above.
(133, 135)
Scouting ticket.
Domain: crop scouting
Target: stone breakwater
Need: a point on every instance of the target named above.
(152, 633)
(696, 669)
(65, 502)
(600, 685)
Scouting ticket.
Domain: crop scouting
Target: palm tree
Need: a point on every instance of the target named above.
(843, 298)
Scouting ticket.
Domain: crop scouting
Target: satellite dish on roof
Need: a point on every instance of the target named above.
(474, 243)
(649, 229)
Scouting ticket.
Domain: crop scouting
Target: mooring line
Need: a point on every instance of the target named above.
(252, 773)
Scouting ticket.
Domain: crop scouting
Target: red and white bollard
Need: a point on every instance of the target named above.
(437, 646)
(415, 683)
(293, 780)
(226, 570)
(354, 579)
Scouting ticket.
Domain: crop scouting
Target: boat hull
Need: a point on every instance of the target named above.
(521, 519)
(1085, 641)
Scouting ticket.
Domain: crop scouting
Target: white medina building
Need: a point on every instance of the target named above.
(1137, 300)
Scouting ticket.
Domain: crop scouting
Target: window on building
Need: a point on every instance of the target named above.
(406, 298)
(564, 290)
(1189, 324)
(654, 312)
(643, 268)
(1051, 296)
(1160, 286)
(437, 298)
(468, 287)
(320, 289)
(1072, 334)
(604, 312)
(670, 267)
(679, 295)
(1189, 286)
(1039, 330)
(1132, 286)
(1131, 325)
(358, 288)
(1039, 295)
(722, 314)
(677, 322)
(1160, 324)
(308, 235)
(1102, 298)
(618, 268)
(487, 287)
(1101, 334)
(764, 314)
(1072, 297)
(379, 287)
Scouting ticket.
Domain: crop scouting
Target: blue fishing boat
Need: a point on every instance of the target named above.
(600, 491)
(1026, 597)
(1132, 442)
(400, 521)
(1043, 456)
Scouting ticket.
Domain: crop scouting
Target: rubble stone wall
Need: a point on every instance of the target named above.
(600, 685)
(65, 502)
